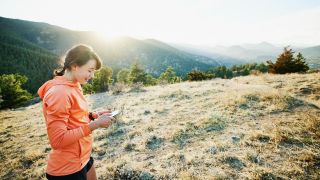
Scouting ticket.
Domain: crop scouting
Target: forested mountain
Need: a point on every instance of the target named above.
(52, 41)
(18, 56)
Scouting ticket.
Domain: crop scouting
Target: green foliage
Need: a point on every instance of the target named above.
(227, 73)
(221, 72)
(1, 100)
(150, 80)
(246, 69)
(287, 63)
(11, 91)
(182, 136)
(100, 82)
(154, 142)
(102, 79)
(157, 56)
(300, 64)
(196, 75)
(137, 74)
(18, 56)
(215, 123)
(123, 76)
(169, 76)
(88, 89)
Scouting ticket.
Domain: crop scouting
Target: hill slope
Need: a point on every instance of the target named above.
(18, 56)
(118, 53)
(312, 54)
(248, 127)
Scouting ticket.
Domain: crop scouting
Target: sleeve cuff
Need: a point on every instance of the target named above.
(95, 115)
(86, 130)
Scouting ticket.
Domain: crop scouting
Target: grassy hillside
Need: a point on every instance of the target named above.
(255, 127)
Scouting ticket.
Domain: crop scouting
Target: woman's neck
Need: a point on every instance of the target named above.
(68, 76)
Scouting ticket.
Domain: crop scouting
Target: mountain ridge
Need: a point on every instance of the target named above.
(124, 50)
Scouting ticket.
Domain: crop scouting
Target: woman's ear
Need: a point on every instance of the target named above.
(73, 67)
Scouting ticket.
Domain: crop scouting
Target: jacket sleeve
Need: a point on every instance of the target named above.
(57, 114)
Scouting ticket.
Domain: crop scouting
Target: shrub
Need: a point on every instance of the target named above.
(11, 91)
(169, 76)
(118, 88)
(154, 142)
(123, 76)
(196, 75)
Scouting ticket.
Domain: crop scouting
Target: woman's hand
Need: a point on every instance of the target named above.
(97, 114)
(103, 121)
(108, 112)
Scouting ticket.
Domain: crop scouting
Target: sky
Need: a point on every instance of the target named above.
(195, 22)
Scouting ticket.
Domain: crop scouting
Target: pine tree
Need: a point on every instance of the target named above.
(11, 91)
(150, 80)
(300, 63)
(137, 74)
(102, 79)
(222, 72)
(123, 76)
(287, 63)
(169, 76)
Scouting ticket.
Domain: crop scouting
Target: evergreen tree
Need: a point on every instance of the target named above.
(137, 74)
(102, 79)
(169, 76)
(286, 63)
(262, 68)
(18, 56)
(150, 80)
(123, 76)
(301, 65)
(221, 71)
(11, 91)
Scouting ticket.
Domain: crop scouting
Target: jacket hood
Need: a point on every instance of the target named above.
(58, 80)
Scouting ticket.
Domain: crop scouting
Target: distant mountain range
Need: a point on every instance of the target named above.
(312, 54)
(249, 53)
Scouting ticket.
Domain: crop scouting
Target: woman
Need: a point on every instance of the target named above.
(69, 124)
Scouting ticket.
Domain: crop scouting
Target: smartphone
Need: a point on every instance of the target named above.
(114, 113)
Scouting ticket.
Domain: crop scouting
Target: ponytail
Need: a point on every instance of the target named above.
(59, 72)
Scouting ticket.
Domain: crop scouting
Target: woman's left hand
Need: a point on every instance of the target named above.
(107, 112)
(95, 115)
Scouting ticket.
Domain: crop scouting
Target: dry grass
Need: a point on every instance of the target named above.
(255, 127)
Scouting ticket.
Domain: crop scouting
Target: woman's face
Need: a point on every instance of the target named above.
(84, 73)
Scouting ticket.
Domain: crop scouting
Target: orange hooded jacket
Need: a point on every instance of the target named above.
(66, 114)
